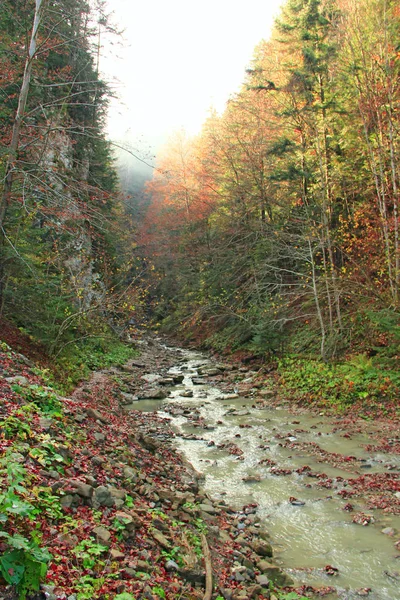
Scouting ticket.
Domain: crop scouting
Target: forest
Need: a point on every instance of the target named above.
(275, 231)
(65, 261)
(277, 228)
(270, 240)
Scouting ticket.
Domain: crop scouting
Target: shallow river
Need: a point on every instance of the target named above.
(305, 537)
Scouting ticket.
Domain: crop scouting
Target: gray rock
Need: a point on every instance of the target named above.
(161, 540)
(102, 535)
(19, 379)
(186, 394)
(262, 548)
(67, 501)
(389, 531)
(79, 418)
(144, 566)
(129, 521)
(116, 554)
(153, 394)
(45, 423)
(48, 591)
(266, 393)
(130, 474)
(99, 437)
(166, 381)
(96, 415)
(103, 497)
(82, 489)
(151, 377)
(262, 580)
(193, 576)
(117, 494)
(274, 573)
(207, 508)
(171, 565)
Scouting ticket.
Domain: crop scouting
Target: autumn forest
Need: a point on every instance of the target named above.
(278, 226)
(255, 278)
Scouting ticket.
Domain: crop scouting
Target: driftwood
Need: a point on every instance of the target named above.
(208, 566)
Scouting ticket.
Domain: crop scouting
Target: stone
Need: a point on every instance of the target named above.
(171, 565)
(153, 394)
(79, 418)
(51, 474)
(254, 590)
(45, 423)
(263, 534)
(193, 576)
(116, 554)
(130, 474)
(96, 415)
(117, 494)
(67, 501)
(103, 497)
(97, 460)
(151, 377)
(207, 508)
(144, 566)
(389, 531)
(102, 535)
(82, 489)
(67, 539)
(166, 381)
(19, 379)
(161, 540)
(262, 548)
(130, 521)
(265, 393)
(186, 394)
(274, 573)
(99, 437)
(48, 591)
(224, 536)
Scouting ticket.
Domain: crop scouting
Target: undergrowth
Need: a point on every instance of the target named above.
(340, 385)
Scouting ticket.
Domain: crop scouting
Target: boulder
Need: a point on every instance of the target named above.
(274, 573)
(262, 548)
(102, 535)
(82, 489)
(103, 497)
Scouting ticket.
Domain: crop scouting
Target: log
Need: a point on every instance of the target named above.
(208, 566)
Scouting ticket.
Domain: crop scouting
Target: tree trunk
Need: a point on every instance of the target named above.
(23, 96)
(13, 149)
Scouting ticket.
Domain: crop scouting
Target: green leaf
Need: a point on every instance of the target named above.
(12, 566)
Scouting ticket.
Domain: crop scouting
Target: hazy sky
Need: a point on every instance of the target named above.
(180, 58)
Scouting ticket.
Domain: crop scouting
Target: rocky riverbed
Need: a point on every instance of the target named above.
(122, 510)
(96, 494)
(326, 486)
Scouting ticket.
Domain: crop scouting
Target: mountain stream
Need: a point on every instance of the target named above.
(253, 454)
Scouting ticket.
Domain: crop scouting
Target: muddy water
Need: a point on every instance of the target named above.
(308, 536)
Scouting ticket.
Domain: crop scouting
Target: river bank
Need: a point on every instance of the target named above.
(123, 513)
(96, 497)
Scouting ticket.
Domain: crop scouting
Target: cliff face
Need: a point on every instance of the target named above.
(55, 250)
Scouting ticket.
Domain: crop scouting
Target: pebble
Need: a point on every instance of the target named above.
(389, 531)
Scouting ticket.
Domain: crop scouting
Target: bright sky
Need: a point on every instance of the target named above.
(181, 58)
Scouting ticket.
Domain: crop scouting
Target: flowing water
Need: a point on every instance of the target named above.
(306, 537)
